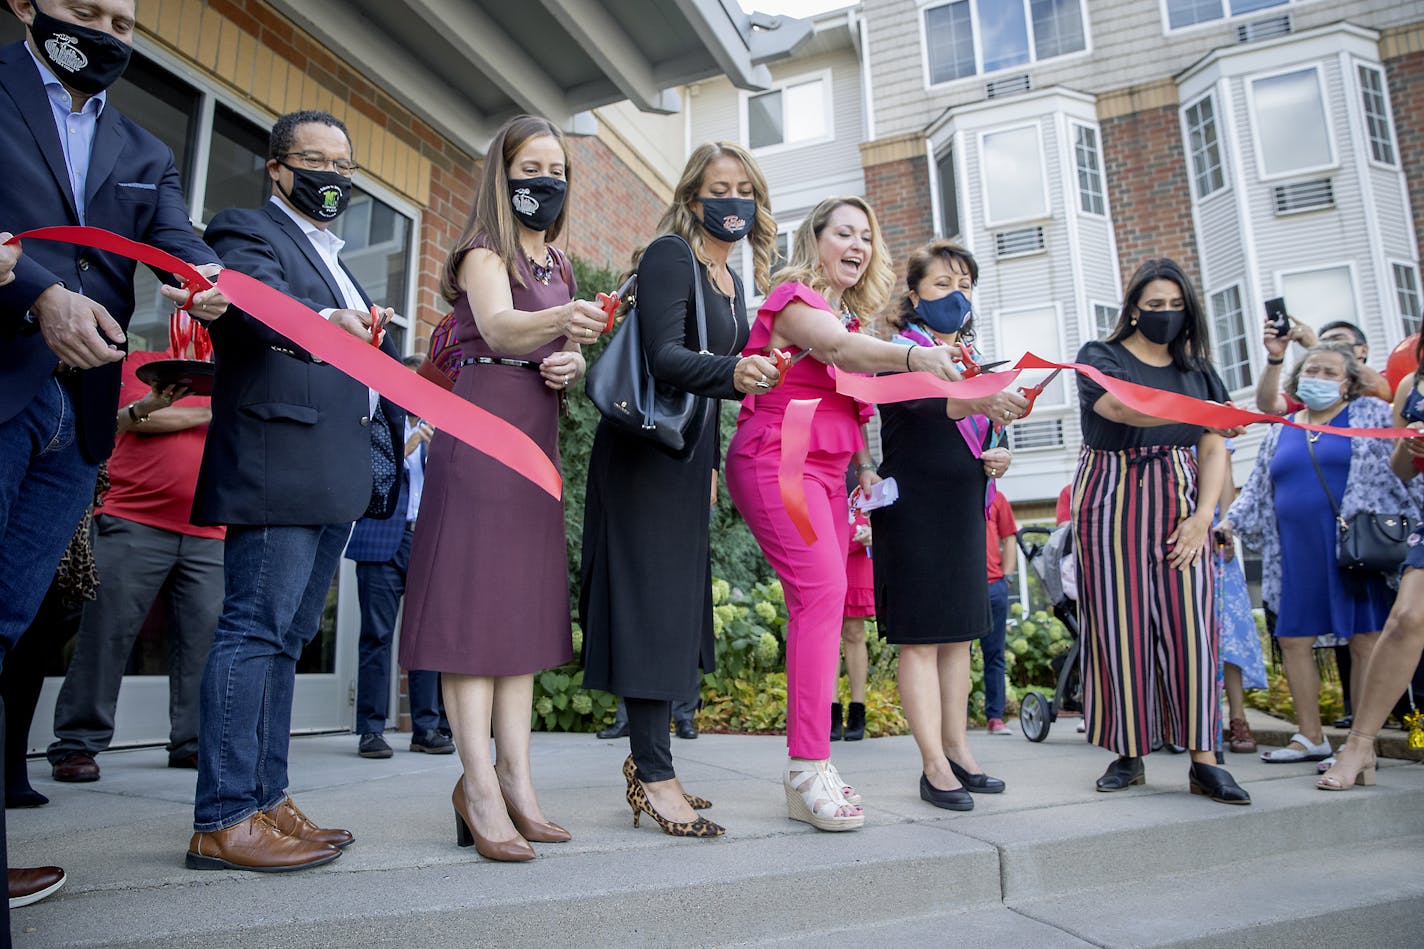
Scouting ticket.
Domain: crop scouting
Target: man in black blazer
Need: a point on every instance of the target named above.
(66, 157)
(288, 466)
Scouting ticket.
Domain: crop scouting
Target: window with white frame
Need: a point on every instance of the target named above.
(1320, 295)
(1011, 162)
(796, 113)
(1292, 125)
(1183, 13)
(1228, 332)
(195, 123)
(1089, 163)
(1204, 147)
(1036, 330)
(1104, 320)
(970, 37)
(1406, 295)
(948, 192)
(1378, 128)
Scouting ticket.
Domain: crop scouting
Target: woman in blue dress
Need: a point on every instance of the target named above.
(1284, 513)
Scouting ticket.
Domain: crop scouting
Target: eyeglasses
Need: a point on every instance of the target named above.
(316, 161)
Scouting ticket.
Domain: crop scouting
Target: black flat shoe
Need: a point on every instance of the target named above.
(24, 797)
(1124, 772)
(956, 800)
(616, 730)
(1216, 783)
(979, 783)
(685, 729)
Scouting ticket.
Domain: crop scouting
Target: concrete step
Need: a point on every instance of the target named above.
(1017, 865)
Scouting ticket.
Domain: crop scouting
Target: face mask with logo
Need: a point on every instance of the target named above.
(948, 314)
(85, 59)
(320, 195)
(1317, 393)
(1161, 326)
(537, 201)
(728, 219)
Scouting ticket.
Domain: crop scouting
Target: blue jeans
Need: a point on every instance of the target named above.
(45, 485)
(276, 580)
(993, 646)
(380, 587)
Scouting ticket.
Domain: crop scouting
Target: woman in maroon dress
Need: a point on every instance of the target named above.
(487, 603)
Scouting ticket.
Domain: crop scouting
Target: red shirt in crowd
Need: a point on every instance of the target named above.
(1000, 524)
(1064, 512)
(152, 477)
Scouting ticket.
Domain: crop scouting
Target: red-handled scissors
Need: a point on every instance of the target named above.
(608, 302)
(784, 361)
(972, 367)
(378, 322)
(1033, 392)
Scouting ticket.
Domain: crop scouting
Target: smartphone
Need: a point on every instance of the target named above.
(1276, 315)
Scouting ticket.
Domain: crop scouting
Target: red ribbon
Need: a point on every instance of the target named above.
(476, 427)
(791, 472)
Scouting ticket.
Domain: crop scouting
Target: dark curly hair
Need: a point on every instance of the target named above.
(915, 271)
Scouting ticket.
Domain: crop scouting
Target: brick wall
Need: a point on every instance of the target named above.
(1406, 89)
(613, 211)
(1148, 188)
(899, 191)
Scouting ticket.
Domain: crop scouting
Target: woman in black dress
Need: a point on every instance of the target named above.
(931, 568)
(645, 599)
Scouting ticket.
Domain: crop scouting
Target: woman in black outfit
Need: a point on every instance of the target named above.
(645, 598)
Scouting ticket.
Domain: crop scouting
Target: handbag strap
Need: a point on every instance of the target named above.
(1329, 495)
(700, 313)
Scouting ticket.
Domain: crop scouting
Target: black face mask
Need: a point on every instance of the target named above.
(1161, 326)
(84, 59)
(320, 195)
(728, 219)
(537, 201)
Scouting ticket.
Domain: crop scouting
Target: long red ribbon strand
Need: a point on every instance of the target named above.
(791, 472)
(481, 430)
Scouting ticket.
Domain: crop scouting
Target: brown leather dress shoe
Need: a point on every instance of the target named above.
(255, 844)
(291, 821)
(32, 884)
(76, 767)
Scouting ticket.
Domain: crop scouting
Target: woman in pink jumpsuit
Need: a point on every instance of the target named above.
(839, 267)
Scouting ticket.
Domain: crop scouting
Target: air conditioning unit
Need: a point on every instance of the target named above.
(1019, 242)
(1008, 86)
(1264, 29)
(1298, 196)
(1036, 433)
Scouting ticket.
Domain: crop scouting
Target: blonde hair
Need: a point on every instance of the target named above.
(492, 217)
(869, 294)
(679, 218)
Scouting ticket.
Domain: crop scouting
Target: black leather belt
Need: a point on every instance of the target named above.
(499, 361)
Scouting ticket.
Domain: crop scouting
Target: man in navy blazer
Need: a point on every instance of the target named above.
(287, 466)
(381, 549)
(67, 157)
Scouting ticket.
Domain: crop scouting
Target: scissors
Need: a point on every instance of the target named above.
(378, 322)
(1033, 392)
(608, 302)
(972, 367)
(784, 361)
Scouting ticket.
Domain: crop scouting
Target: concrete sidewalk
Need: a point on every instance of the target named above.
(1051, 862)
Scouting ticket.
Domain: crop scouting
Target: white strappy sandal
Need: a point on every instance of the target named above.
(851, 795)
(817, 797)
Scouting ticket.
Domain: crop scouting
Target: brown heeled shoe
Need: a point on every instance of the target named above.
(539, 831)
(638, 801)
(514, 850)
(630, 774)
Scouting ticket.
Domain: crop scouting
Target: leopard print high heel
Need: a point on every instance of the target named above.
(638, 801)
(630, 773)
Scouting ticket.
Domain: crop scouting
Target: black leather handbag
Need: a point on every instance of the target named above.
(1367, 542)
(622, 386)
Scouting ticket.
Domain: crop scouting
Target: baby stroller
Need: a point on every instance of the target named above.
(1048, 551)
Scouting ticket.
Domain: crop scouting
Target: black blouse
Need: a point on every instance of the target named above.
(668, 321)
(1115, 360)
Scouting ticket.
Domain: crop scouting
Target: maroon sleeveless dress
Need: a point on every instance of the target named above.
(488, 591)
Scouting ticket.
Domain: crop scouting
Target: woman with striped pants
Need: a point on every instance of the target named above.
(1142, 511)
